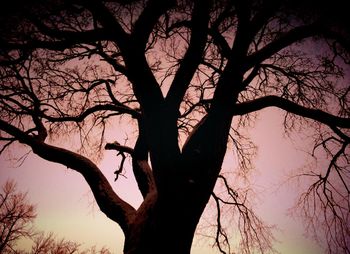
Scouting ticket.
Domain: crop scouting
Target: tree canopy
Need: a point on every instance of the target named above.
(188, 76)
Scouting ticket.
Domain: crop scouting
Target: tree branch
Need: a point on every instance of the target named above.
(103, 15)
(150, 15)
(218, 37)
(142, 171)
(283, 41)
(194, 53)
(292, 107)
(62, 39)
(146, 88)
(96, 34)
(109, 202)
(59, 45)
(92, 110)
(120, 148)
(141, 168)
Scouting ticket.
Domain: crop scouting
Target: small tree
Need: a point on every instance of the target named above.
(188, 75)
(16, 217)
(16, 222)
(49, 244)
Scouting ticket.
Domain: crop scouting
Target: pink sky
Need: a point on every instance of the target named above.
(65, 205)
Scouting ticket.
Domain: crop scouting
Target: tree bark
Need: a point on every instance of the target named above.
(167, 220)
(166, 226)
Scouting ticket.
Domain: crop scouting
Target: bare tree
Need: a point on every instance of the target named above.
(49, 244)
(17, 222)
(16, 217)
(189, 75)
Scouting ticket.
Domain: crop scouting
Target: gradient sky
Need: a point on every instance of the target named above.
(65, 205)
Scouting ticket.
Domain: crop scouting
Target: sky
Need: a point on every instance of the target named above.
(65, 205)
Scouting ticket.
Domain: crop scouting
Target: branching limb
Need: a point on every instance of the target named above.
(118, 147)
(326, 203)
(121, 151)
(149, 17)
(83, 115)
(109, 202)
(142, 171)
(220, 232)
(106, 18)
(286, 39)
(255, 236)
(193, 56)
(141, 168)
(218, 38)
(292, 107)
(119, 171)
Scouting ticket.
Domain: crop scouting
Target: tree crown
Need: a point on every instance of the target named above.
(189, 75)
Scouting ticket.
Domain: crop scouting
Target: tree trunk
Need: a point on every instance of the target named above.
(167, 221)
(168, 226)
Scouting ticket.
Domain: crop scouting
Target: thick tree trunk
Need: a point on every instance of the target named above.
(164, 233)
(166, 221)
(166, 227)
(169, 224)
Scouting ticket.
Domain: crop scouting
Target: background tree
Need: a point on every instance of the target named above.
(188, 76)
(16, 217)
(16, 223)
(49, 244)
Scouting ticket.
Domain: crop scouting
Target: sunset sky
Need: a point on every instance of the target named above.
(65, 205)
(83, 82)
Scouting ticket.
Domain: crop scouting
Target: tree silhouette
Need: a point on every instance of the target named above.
(49, 244)
(188, 75)
(16, 217)
(16, 222)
